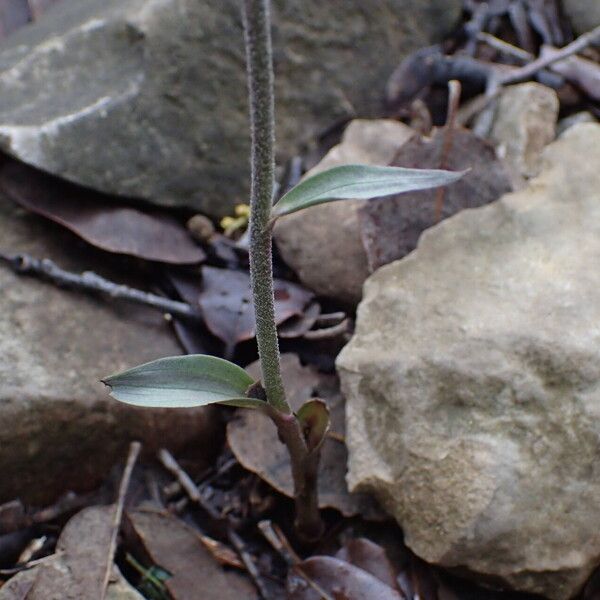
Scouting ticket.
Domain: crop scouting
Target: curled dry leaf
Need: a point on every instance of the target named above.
(225, 299)
(370, 557)
(104, 224)
(391, 227)
(166, 541)
(253, 439)
(339, 579)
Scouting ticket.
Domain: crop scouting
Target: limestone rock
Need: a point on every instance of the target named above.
(59, 429)
(323, 243)
(525, 123)
(473, 382)
(147, 98)
(584, 14)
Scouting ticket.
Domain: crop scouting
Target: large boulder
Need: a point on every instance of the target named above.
(148, 98)
(473, 382)
(59, 429)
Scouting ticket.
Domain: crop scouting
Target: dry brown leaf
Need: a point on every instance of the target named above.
(225, 299)
(391, 226)
(108, 226)
(253, 439)
(77, 570)
(339, 579)
(370, 557)
(170, 544)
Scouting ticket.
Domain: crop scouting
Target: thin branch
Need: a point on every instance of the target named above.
(504, 47)
(262, 110)
(134, 452)
(23, 264)
(238, 544)
(529, 70)
(186, 482)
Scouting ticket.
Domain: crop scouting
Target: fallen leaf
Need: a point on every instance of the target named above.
(225, 299)
(253, 440)
(106, 225)
(370, 557)
(77, 569)
(339, 579)
(391, 227)
(21, 585)
(297, 326)
(174, 546)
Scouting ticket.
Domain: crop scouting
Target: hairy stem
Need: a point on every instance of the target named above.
(304, 463)
(262, 110)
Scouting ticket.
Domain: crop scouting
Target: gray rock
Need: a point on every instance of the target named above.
(59, 429)
(148, 98)
(323, 243)
(524, 124)
(584, 14)
(473, 382)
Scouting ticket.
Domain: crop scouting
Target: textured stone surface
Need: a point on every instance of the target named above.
(584, 14)
(473, 382)
(58, 426)
(524, 124)
(147, 98)
(323, 243)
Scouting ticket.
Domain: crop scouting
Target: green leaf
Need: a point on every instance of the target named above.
(314, 420)
(360, 182)
(183, 382)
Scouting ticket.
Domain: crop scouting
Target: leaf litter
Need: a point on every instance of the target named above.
(106, 225)
(361, 568)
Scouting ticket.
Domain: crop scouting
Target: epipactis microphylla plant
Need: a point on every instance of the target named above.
(197, 380)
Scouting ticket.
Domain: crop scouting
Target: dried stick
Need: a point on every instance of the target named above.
(134, 452)
(527, 71)
(23, 264)
(275, 537)
(190, 488)
(238, 544)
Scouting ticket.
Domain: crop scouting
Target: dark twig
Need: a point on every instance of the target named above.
(186, 482)
(23, 264)
(275, 537)
(273, 534)
(238, 544)
(134, 452)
